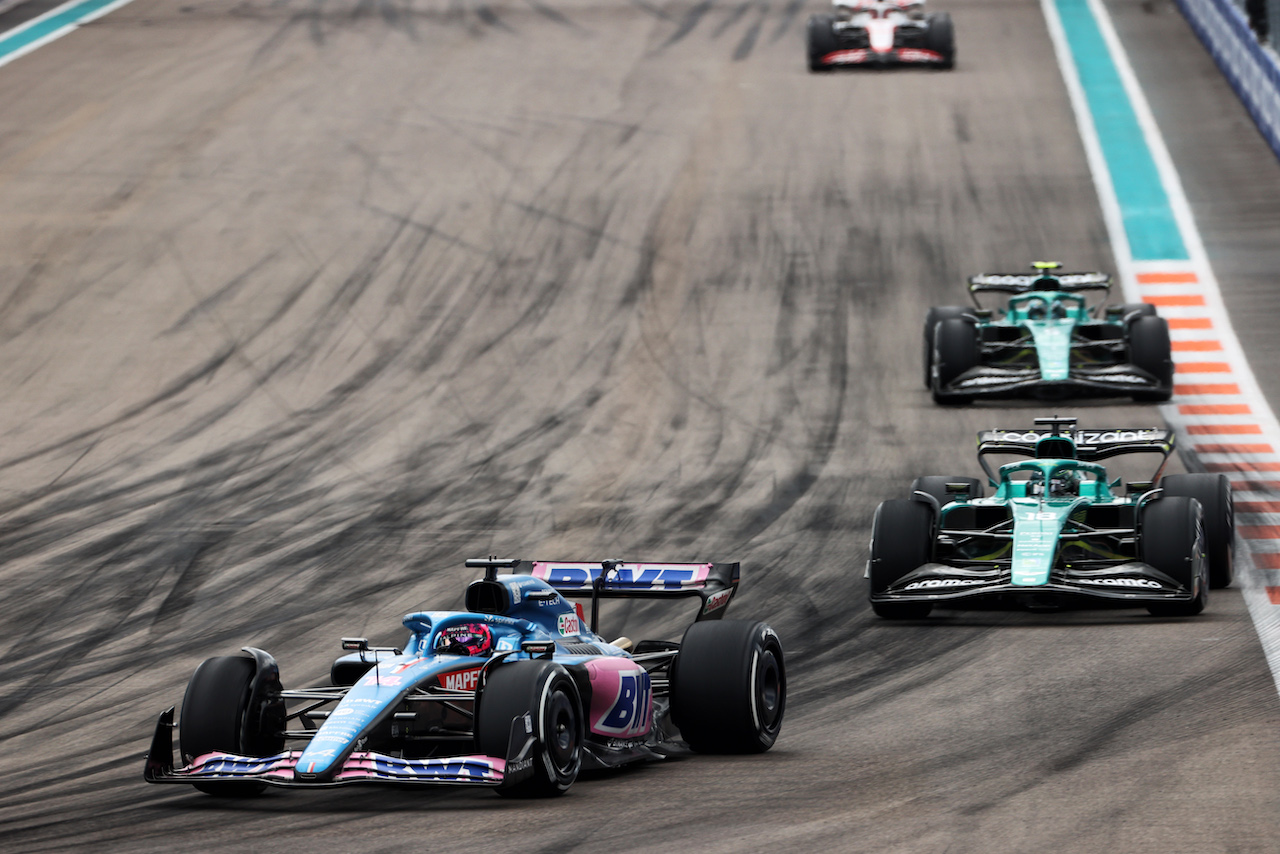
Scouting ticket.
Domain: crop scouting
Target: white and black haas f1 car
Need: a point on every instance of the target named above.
(515, 693)
(880, 33)
(1057, 533)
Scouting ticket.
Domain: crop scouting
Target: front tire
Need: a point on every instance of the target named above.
(941, 38)
(936, 486)
(936, 315)
(545, 691)
(1150, 350)
(729, 687)
(901, 542)
(956, 350)
(1213, 491)
(1173, 542)
(215, 720)
(820, 39)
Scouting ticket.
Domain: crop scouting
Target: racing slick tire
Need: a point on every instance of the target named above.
(820, 39)
(215, 720)
(729, 687)
(547, 692)
(955, 350)
(936, 485)
(1173, 542)
(1149, 349)
(1213, 491)
(901, 541)
(1134, 310)
(941, 38)
(936, 315)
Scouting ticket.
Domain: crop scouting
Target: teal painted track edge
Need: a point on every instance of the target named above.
(1148, 219)
(45, 26)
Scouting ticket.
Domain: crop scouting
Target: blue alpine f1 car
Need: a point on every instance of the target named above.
(515, 693)
(1047, 341)
(1057, 533)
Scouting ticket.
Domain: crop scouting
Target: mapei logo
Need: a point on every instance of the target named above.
(569, 625)
(461, 680)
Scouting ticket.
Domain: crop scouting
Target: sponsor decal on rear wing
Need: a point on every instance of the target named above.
(1090, 444)
(713, 583)
(1016, 283)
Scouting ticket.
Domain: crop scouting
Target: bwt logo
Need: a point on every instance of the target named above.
(632, 709)
(668, 578)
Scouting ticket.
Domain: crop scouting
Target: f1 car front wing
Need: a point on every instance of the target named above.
(1132, 584)
(360, 767)
(897, 56)
(995, 381)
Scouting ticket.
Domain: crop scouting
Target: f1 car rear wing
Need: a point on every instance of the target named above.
(1090, 445)
(1021, 283)
(713, 583)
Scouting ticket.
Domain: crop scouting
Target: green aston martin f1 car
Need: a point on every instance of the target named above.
(1057, 533)
(1048, 341)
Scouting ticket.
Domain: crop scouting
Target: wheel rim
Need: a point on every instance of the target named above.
(769, 690)
(561, 738)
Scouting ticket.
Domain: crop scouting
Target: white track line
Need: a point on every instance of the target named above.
(1221, 416)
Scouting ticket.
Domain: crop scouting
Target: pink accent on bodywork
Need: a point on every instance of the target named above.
(632, 716)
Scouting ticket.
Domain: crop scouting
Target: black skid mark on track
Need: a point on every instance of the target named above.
(649, 8)
(690, 21)
(485, 13)
(748, 43)
(734, 17)
(222, 294)
(789, 14)
(554, 15)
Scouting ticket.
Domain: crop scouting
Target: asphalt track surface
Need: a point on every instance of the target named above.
(301, 304)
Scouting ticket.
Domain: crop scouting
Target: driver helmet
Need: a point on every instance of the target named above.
(1064, 484)
(465, 639)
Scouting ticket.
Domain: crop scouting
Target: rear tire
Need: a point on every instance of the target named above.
(1140, 309)
(1213, 491)
(820, 39)
(901, 542)
(936, 315)
(729, 687)
(1173, 542)
(941, 38)
(936, 485)
(547, 692)
(1149, 349)
(214, 716)
(955, 351)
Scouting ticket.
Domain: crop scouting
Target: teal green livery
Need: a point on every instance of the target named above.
(1048, 341)
(1057, 533)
